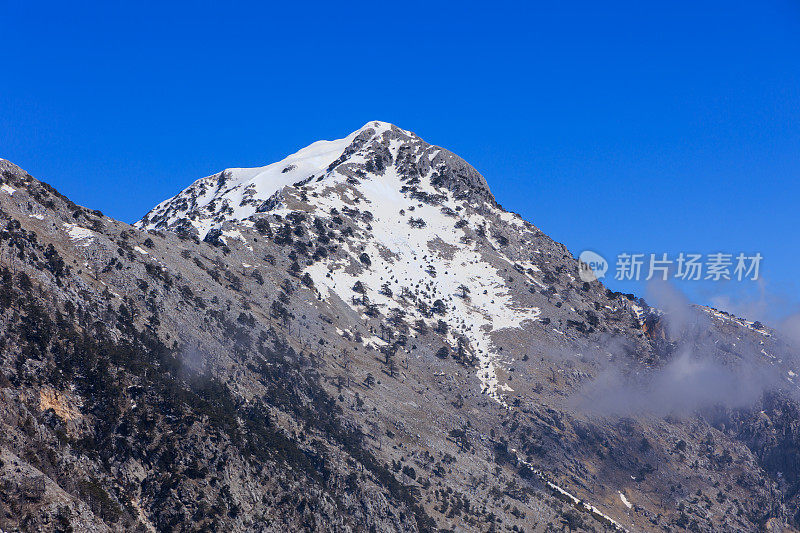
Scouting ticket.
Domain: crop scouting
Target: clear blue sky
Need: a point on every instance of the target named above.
(614, 126)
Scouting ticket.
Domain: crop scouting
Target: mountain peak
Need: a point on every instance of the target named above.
(378, 315)
(369, 153)
(377, 125)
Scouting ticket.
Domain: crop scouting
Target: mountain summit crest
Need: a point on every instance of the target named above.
(366, 154)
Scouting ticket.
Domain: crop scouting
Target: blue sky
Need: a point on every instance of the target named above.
(613, 126)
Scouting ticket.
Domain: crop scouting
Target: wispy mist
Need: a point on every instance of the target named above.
(704, 364)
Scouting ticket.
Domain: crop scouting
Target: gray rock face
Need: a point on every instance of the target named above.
(359, 338)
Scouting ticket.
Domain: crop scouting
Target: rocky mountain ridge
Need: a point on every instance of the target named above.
(362, 324)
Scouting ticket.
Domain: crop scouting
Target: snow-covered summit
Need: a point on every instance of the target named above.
(239, 193)
(418, 218)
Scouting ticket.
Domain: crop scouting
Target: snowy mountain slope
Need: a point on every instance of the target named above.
(425, 244)
(412, 352)
(416, 205)
(238, 193)
(453, 333)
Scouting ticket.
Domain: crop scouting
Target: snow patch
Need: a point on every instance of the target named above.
(79, 234)
(625, 500)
